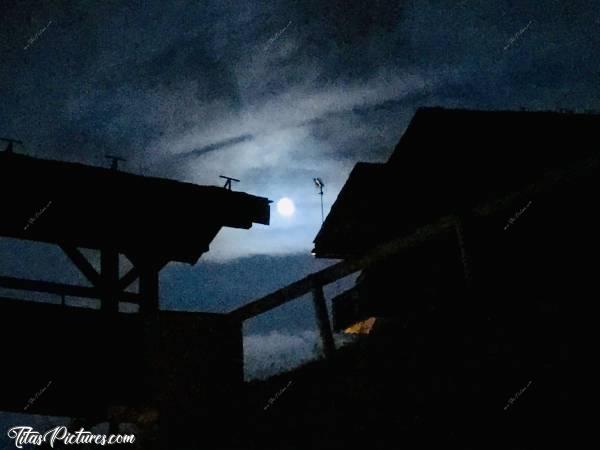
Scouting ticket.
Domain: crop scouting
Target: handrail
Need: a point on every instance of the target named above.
(339, 270)
(315, 281)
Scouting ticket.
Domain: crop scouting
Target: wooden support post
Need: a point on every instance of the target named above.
(154, 375)
(323, 321)
(149, 310)
(109, 271)
(82, 264)
(62, 289)
(148, 288)
(128, 278)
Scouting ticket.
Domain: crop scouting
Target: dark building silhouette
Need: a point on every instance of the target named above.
(167, 369)
(473, 243)
(492, 217)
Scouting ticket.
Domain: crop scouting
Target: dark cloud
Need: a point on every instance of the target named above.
(317, 84)
(178, 88)
(219, 145)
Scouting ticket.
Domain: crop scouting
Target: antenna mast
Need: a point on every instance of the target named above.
(114, 165)
(11, 142)
(320, 185)
(228, 182)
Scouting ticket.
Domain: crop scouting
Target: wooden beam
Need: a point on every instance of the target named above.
(147, 269)
(128, 278)
(273, 300)
(323, 321)
(62, 289)
(551, 181)
(82, 264)
(340, 270)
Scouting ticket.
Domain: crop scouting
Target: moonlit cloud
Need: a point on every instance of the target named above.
(282, 156)
(227, 92)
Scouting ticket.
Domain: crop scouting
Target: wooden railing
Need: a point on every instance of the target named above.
(315, 282)
(551, 180)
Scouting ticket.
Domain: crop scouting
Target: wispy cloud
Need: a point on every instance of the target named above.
(337, 85)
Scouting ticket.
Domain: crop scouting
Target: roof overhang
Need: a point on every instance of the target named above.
(91, 207)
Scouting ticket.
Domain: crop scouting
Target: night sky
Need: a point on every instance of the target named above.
(273, 93)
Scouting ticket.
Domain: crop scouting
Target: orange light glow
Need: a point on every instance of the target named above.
(363, 327)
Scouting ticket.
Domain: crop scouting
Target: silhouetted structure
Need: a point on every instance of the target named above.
(494, 209)
(473, 241)
(162, 361)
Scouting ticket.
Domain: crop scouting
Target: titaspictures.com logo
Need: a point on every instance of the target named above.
(24, 435)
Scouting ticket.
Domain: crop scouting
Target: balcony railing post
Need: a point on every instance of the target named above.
(323, 321)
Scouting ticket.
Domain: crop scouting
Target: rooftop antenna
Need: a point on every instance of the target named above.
(114, 165)
(228, 182)
(320, 185)
(11, 142)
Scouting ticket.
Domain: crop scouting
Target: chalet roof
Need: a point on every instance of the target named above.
(92, 207)
(448, 161)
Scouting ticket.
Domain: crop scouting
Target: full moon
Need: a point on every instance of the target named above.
(285, 207)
